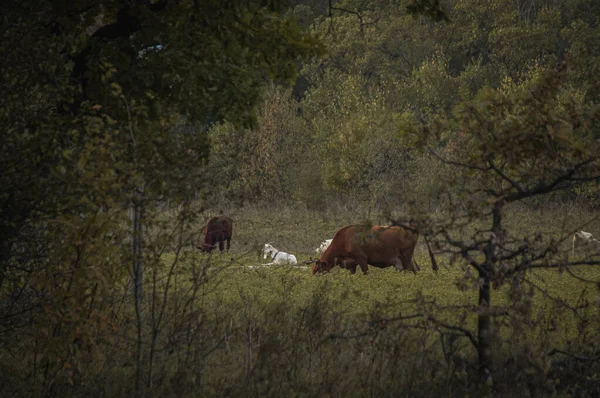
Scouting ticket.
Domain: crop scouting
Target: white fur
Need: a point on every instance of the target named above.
(586, 237)
(278, 257)
(324, 245)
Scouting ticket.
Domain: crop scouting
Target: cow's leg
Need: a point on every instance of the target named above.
(398, 264)
(417, 267)
(221, 245)
(364, 266)
(350, 265)
(407, 262)
(209, 243)
(228, 243)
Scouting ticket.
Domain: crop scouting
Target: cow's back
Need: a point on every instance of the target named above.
(341, 244)
(383, 245)
(218, 227)
(380, 246)
(225, 225)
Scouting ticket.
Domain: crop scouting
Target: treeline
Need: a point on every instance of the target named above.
(339, 131)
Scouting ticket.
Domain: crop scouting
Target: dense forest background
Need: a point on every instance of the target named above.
(337, 132)
(126, 125)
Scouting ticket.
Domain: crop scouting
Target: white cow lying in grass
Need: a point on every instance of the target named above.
(278, 257)
(321, 249)
(586, 237)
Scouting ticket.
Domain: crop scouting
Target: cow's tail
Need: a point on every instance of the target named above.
(434, 264)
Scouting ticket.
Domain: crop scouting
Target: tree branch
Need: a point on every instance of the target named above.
(455, 163)
(577, 357)
(554, 185)
(506, 178)
(579, 278)
(464, 251)
(556, 300)
(565, 264)
(464, 331)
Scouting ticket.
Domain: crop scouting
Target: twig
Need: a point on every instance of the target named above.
(456, 163)
(577, 357)
(579, 278)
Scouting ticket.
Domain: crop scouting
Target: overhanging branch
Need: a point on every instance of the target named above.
(568, 175)
(505, 177)
(456, 163)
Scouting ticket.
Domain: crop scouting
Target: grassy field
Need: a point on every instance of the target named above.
(228, 326)
(240, 275)
(300, 232)
(322, 326)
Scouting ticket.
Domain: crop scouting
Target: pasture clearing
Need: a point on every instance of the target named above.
(299, 232)
(388, 293)
(229, 326)
(276, 329)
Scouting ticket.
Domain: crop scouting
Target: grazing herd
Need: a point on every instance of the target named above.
(352, 246)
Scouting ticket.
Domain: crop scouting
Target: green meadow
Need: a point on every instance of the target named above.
(276, 329)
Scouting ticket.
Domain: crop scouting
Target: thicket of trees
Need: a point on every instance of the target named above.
(386, 70)
(122, 121)
(96, 103)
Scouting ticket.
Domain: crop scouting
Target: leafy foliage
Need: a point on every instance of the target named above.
(126, 124)
(531, 142)
(97, 100)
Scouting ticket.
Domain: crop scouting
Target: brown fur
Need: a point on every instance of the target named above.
(379, 246)
(217, 230)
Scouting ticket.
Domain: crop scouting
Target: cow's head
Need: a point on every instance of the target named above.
(318, 267)
(206, 248)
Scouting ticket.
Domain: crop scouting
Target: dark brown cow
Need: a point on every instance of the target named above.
(379, 246)
(217, 230)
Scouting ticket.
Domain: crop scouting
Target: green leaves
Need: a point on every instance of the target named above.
(430, 8)
(96, 100)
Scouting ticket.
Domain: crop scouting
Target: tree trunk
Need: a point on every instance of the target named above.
(137, 213)
(4, 257)
(136, 242)
(8, 236)
(484, 349)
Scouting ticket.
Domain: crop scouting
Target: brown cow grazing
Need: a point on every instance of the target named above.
(379, 246)
(217, 230)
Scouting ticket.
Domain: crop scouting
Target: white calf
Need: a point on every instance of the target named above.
(278, 257)
(321, 249)
(586, 237)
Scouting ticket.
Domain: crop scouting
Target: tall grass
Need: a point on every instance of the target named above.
(233, 328)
